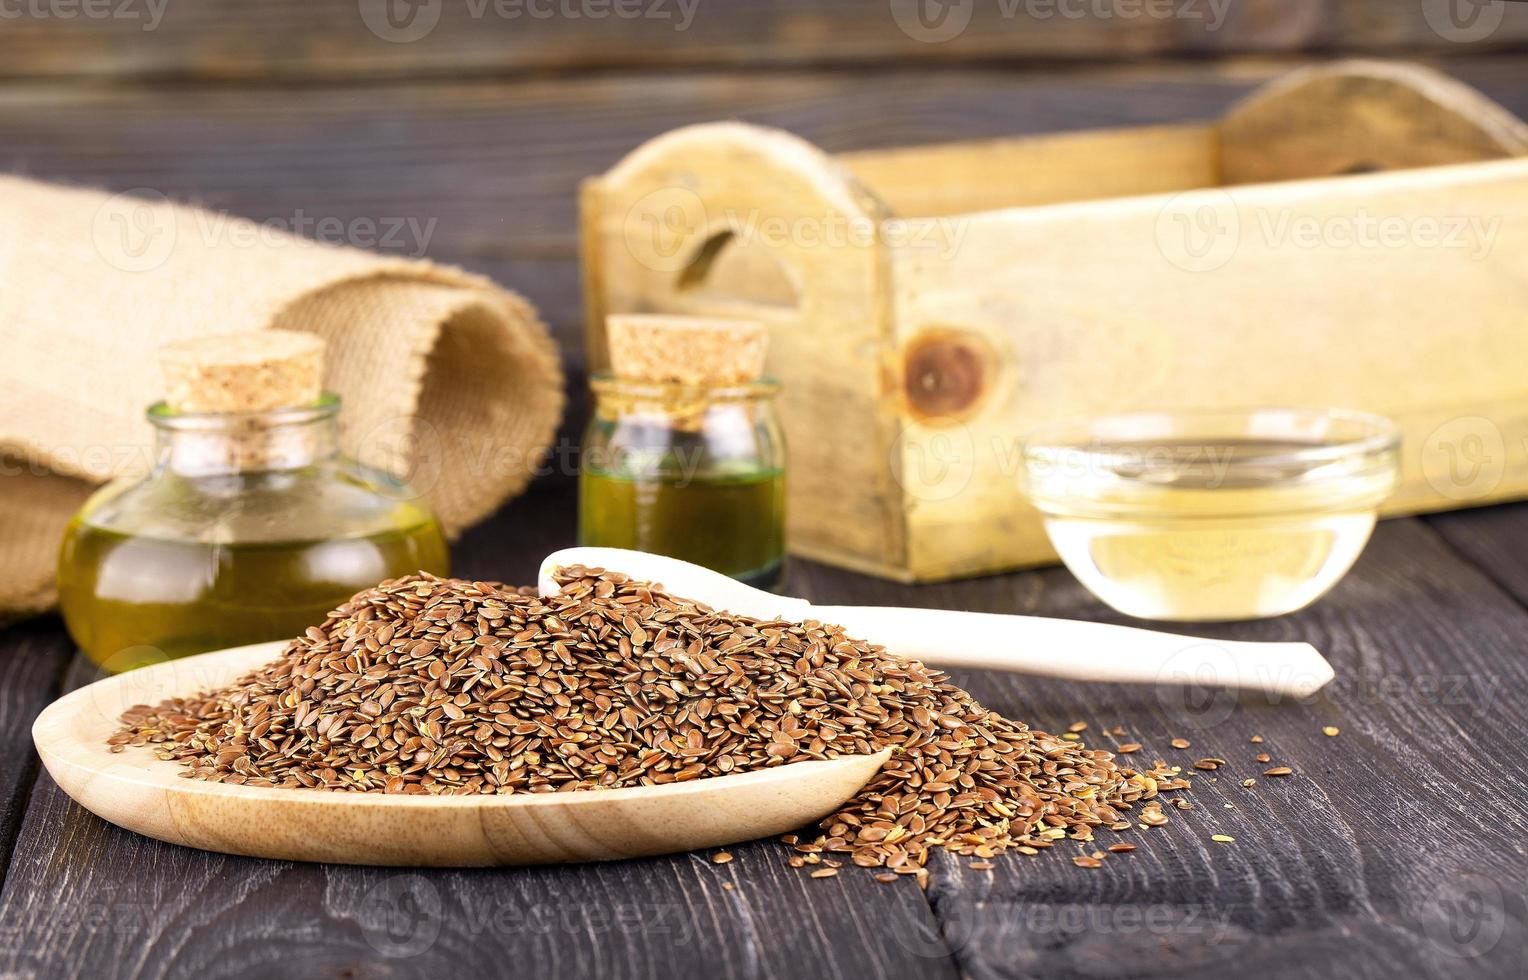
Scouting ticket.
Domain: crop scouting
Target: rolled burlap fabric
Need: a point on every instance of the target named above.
(446, 378)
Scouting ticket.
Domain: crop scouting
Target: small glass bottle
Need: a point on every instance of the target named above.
(684, 456)
(250, 526)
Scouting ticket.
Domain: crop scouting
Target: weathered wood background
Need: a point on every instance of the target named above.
(1397, 850)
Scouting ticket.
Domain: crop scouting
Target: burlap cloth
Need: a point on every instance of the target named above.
(445, 376)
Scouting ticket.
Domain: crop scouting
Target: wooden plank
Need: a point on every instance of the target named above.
(328, 39)
(1384, 26)
(35, 655)
(1492, 538)
(1353, 866)
(87, 899)
(333, 39)
(485, 175)
(1357, 116)
(492, 169)
(1359, 866)
(960, 178)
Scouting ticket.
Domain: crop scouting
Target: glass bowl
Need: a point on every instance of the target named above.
(1213, 515)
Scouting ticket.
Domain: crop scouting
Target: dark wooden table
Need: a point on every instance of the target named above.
(1399, 848)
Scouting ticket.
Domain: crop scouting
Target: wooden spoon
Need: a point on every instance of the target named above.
(136, 790)
(1022, 644)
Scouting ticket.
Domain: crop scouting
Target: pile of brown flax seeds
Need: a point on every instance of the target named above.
(445, 686)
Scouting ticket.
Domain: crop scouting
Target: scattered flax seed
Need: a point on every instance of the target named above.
(1078, 726)
(1223, 838)
(721, 857)
(1264, 757)
(1257, 740)
(1152, 816)
(1249, 783)
(1279, 771)
(981, 865)
(825, 873)
(1083, 861)
(1180, 743)
(447, 687)
(885, 877)
(1128, 748)
(726, 886)
(1331, 731)
(1209, 765)
(1121, 848)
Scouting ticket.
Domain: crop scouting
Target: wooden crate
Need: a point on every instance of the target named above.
(1352, 235)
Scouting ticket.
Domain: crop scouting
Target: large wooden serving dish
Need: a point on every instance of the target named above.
(135, 790)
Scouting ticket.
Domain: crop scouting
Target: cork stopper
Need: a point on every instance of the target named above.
(686, 350)
(254, 371)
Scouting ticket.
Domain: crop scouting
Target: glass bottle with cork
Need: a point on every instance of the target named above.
(250, 526)
(684, 455)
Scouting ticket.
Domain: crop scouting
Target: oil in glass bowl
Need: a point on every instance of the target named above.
(1205, 516)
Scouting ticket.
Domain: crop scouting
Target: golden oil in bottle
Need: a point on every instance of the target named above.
(251, 524)
(132, 599)
(684, 455)
(730, 522)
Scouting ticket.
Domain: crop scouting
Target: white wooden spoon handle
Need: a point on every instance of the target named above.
(1083, 651)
